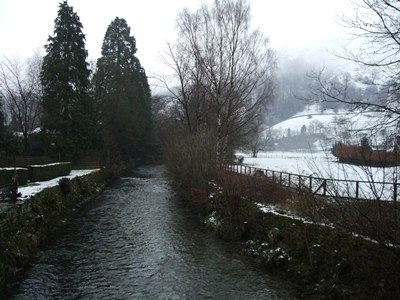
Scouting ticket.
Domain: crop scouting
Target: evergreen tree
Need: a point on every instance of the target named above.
(67, 107)
(123, 95)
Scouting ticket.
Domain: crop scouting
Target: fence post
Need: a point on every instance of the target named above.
(289, 179)
(324, 186)
(310, 185)
(280, 178)
(395, 191)
(357, 187)
(299, 183)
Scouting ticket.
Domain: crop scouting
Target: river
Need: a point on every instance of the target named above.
(137, 240)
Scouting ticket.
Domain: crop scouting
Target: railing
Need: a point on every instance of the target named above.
(339, 188)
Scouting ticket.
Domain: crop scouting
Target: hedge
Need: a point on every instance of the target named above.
(49, 171)
(6, 175)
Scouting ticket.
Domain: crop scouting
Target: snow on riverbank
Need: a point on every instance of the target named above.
(35, 187)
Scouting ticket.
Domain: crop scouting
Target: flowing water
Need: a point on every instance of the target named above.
(139, 241)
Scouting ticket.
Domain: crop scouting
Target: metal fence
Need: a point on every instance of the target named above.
(339, 188)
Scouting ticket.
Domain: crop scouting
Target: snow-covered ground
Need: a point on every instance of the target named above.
(36, 187)
(343, 125)
(325, 165)
(33, 188)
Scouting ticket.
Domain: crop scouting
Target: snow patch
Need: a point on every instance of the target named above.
(36, 187)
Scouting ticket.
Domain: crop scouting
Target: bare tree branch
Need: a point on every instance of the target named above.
(224, 71)
(21, 89)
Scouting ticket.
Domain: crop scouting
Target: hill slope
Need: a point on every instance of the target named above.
(327, 127)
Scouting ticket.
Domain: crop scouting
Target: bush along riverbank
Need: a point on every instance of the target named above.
(325, 262)
(26, 227)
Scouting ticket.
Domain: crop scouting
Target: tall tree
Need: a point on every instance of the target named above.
(224, 70)
(123, 94)
(67, 107)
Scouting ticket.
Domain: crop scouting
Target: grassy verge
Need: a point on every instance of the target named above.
(25, 228)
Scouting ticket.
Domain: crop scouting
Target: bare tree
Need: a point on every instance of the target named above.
(223, 70)
(258, 137)
(375, 33)
(376, 25)
(21, 89)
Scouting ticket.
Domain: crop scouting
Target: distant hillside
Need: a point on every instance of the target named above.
(312, 128)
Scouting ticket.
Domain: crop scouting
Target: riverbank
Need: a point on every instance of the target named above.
(26, 226)
(326, 262)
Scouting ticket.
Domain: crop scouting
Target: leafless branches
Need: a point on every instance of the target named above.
(223, 70)
(376, 33)
(21, 89)
(376, 24)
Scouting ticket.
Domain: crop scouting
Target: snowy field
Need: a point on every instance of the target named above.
(378, 182)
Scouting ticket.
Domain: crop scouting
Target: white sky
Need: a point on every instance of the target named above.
(306, 26)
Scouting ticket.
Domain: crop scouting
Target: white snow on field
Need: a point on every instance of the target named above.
(325, 165)
(35, 187)
(332, 124)
(345, 126)
(318, 164)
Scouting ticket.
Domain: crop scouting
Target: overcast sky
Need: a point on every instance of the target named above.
(306, 27)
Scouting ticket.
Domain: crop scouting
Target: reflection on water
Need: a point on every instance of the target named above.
(137, 241)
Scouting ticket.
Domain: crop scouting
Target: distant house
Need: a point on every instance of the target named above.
(359, 155)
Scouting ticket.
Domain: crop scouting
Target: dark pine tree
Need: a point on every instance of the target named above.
(123, 95)
(67, 106)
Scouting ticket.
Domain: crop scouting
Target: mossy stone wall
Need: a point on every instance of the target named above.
(326, 262)
(26, 227)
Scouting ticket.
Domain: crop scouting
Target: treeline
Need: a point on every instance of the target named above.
(80, 109)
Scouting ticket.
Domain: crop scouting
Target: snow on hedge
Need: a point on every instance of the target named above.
(35, 187)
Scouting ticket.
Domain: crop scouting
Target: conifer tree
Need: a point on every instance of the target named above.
(67, 107)
(123, 94)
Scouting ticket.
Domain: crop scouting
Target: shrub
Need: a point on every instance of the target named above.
(6, 175)
(65, 185)
(355, 257)
(191, 159)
